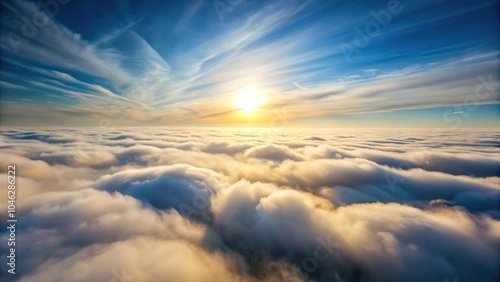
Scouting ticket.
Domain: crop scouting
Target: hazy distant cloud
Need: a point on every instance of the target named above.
(314, 138)
(79, 159)
(272, 152)
(33, 169)
(457, 164)
(225, 148)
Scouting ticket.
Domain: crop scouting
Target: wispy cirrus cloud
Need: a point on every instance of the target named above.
(179, 69)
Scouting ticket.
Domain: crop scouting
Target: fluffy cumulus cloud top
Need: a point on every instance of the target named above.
(167, 204)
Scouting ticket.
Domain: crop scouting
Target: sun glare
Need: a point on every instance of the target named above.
(249, 99)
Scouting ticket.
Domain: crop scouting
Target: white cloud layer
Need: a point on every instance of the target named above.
(159, 204)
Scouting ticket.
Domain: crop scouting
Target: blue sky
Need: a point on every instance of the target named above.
(317, 63)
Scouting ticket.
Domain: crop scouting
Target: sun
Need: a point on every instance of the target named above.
(249, 99)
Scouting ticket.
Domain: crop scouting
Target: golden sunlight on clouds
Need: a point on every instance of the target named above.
(249, 99)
